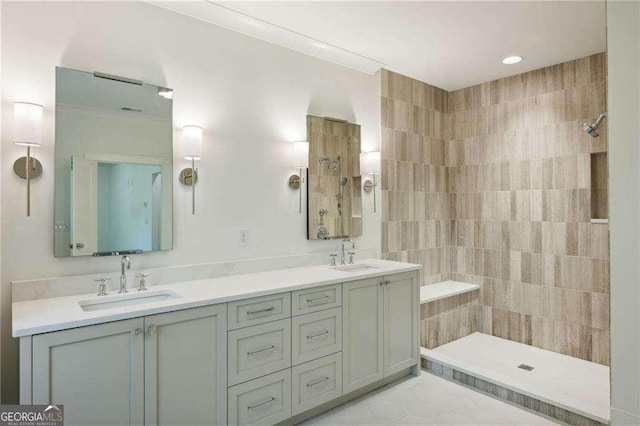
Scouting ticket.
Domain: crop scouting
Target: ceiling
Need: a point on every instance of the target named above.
(450, 45)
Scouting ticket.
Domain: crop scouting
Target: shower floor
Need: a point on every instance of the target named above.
(578, 386)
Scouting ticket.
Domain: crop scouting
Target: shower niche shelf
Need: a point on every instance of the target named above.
(599, 188)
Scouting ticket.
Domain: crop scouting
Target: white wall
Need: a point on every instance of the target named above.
(251, 98)
(623, 50)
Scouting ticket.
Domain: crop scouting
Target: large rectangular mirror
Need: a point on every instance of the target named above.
(334, 199)
(113, 169)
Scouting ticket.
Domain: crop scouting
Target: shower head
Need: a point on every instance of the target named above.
(333, 164)
(591, 128)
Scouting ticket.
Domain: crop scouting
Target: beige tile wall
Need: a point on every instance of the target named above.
(517, 199)
(415, 220)
(520, 186)
(445, 320)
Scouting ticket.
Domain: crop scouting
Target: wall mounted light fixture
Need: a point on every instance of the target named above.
(370, 165)
(27, 132)
(301, 162)
(192, 147)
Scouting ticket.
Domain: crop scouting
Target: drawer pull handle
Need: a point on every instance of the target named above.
(317, 382)
(319, 334)
(261, 311)
(259, 351)
(260, 404)
(317, 299)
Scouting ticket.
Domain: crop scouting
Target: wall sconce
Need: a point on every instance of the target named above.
(370, 165)
(27, 132)
(192, 146)
(300, 161)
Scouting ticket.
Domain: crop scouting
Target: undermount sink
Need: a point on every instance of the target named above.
(119, 301)
(355, 268)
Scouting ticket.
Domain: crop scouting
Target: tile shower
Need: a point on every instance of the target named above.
(498, 185)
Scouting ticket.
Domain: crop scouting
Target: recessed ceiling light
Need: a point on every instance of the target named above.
(510, 60)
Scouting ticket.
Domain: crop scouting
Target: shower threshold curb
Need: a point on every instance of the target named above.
(559, 412)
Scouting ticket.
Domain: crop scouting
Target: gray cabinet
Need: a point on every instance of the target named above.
(163, 369)
(245, 362)
(401, 322)
(185, 364)
(362, 348)
(96, 372)
(380, 328)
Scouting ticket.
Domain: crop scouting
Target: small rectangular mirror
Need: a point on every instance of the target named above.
(334, 198)
(113, 171)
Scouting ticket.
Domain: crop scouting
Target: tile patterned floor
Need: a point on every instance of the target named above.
(427, 400)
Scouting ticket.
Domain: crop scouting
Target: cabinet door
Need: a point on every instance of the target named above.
(186, 367)
(401, 319)
(96, 372)
(362, 333)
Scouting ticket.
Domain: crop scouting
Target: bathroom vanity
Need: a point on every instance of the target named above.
(265, 348)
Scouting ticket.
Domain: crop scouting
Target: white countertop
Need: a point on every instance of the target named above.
(433, 292)
(59, 313)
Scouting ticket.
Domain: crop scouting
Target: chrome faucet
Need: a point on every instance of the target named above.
(124, 262)
(342, 253)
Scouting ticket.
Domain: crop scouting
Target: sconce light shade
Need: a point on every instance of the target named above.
(370, 163)
(301, 155)
(27, 124)
(192, 142)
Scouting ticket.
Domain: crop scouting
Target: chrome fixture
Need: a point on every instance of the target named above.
(591, 128)
(125, 262)
(102, 286)
(342, 253)
(370, 165)
(300, 162)
(27, 132)
(323, 232)
(192, 140)
(143, 282)
(351, 254)
(332, 164)
(332, 259)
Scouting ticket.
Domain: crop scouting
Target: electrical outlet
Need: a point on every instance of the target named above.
(243, 237)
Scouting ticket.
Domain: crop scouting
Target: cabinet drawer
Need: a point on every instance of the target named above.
(259, 350)
(316, 299)
(316, 335)
(259, 310)
(316, 382)
(266, 400)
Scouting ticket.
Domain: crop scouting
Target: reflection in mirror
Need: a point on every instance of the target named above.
(334, 205)
(114, 156)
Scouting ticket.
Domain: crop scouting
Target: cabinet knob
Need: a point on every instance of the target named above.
(151, 329)
(138, 331)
